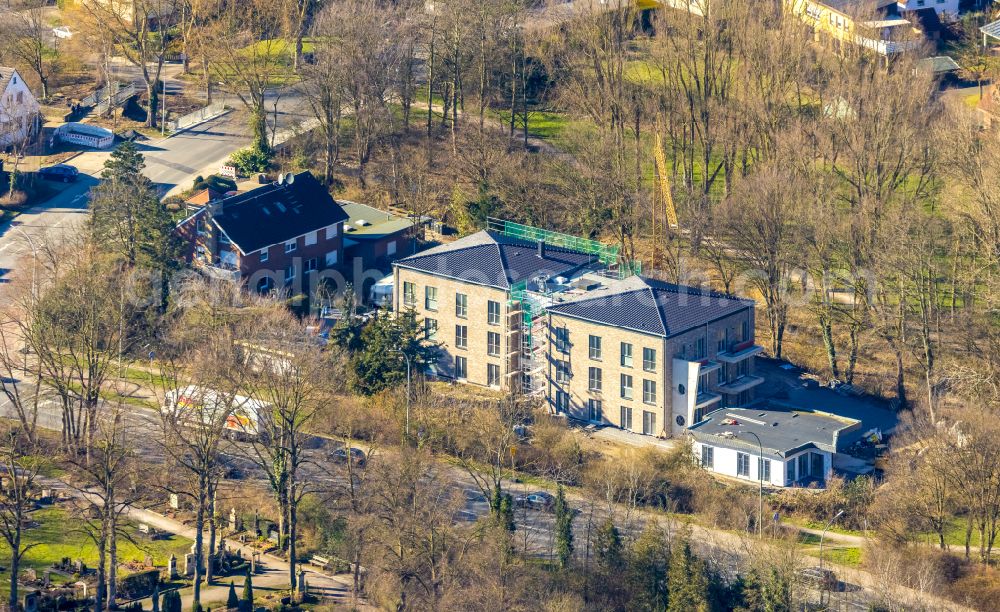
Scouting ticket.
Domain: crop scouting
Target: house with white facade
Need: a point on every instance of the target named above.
(783, 446)
(18, 109)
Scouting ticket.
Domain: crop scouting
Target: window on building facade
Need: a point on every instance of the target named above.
(649, 391)
(764, 469)
(331, 258)
(461, 336)
(746, 331)
(409, 293)
(626, 355)
(648, 423)
(310, 238)
(742, 464)
(493, 313)
(492, 375)
(649, 359)
(390, 249)
(562, 339)
(626, 386)
(430, 328)
(594, 408)
(431, 298)
(264, 253)
(461, 367)
(562, 371)
(289, 273)
(626, 418)
(331, 231)
(461, 305)
(595, 347)
(312, 264)
(493, 344)
(594, 379)
(707, 456)
(562, 401)
(290, 246)
(699, 349)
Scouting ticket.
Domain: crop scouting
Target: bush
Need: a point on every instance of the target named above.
(251, 159)
(214, 181)
(139, 585)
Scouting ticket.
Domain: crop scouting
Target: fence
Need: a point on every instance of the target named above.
(105, 98)
(202, 114)
(86, 135)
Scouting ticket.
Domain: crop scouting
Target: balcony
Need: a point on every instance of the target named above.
(743, 383)
(220, 271)
(739, 352)
(707, 366)
(705, 399)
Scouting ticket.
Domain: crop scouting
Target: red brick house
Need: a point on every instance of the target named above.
(284, 236)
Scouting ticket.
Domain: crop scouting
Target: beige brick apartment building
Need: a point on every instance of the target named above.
(561, 319)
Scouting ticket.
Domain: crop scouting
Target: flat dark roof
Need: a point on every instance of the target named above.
(782, 430)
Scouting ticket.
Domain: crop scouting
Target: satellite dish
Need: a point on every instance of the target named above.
(281, 179)
(289, 178)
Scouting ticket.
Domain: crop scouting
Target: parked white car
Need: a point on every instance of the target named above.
(62, 32)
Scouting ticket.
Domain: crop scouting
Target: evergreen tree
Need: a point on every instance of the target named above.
(608, 548)
(379, 365)
(564, 528)
(687, 580)
(172, 601)
(647, 576)
(232, 601)
(155, 597)
(346, 333)
(505, 516)
(248, 590)
(127, 217)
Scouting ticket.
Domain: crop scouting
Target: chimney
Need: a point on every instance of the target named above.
(541, 249)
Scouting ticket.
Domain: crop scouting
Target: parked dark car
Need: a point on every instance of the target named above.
(60, 172)
(539, 500)
(357, 456)
(819, 578)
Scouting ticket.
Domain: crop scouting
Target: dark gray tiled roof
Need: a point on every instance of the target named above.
(782, 431)
(651, 306)
(5, 76)
(274, 213)
(492, 259)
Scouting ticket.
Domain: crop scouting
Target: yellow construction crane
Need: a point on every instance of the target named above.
(663, 183)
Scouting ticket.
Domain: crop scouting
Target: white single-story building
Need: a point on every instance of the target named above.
(18, 109)
(798, 445)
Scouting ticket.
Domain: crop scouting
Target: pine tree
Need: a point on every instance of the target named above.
(564, 528)
(127, 217)
(608, 548)
(248, 590)
(379, 365)
(232, 602)
(687, 580)
(647, 576)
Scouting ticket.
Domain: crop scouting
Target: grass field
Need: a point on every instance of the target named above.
(57, 537)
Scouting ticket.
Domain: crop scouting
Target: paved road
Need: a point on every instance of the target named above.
(170, 163)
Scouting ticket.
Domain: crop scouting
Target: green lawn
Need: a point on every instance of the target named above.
(58, 536)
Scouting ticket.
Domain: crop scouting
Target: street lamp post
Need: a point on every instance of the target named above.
(760, 480)
(407, 358)
(823, 537)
